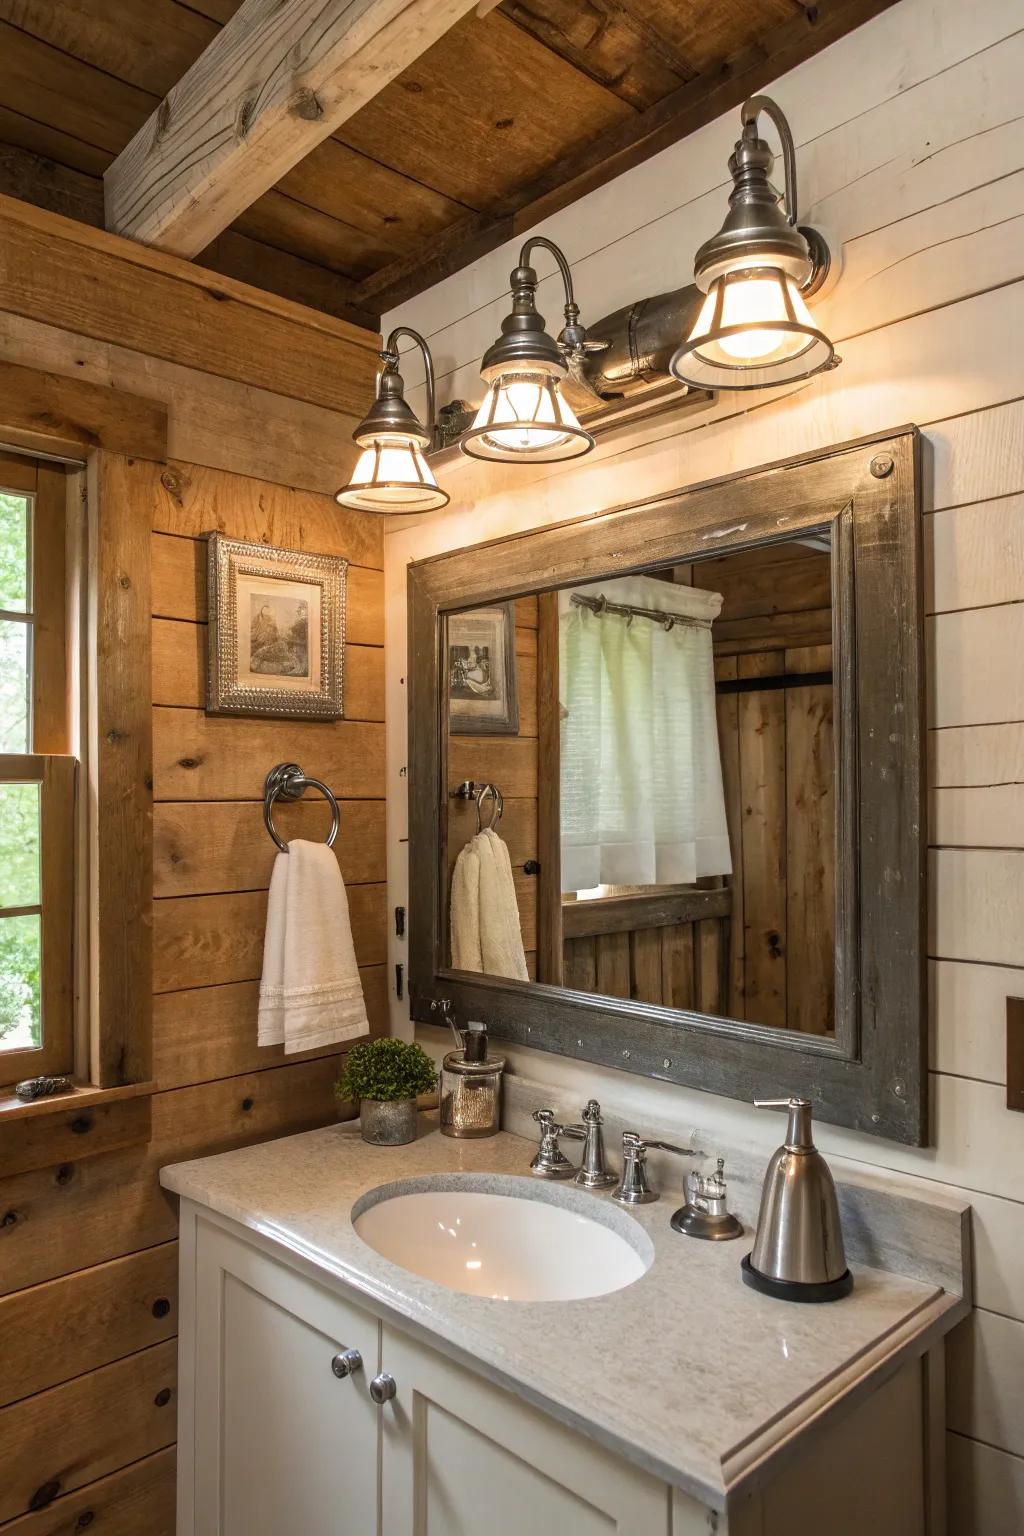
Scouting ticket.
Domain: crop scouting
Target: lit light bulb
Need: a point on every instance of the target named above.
(392, 474)
(753, 302)
(754, 329)
(522, 403)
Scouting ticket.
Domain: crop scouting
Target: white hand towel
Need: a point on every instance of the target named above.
(485, 927)
(310, 993)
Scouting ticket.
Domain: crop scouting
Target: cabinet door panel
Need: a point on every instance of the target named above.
(281, 1444)
(461, 1456)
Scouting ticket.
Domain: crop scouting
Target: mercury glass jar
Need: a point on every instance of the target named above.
(471, 1089)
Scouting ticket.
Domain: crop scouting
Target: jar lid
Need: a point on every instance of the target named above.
(455, 1061)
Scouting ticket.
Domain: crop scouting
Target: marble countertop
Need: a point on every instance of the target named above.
(687, 1372)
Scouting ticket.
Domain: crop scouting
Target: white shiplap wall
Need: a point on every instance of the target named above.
(911, 156)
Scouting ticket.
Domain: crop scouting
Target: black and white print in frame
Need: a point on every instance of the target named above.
(481, 659)
(277, 631)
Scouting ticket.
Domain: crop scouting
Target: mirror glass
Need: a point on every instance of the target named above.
(641, 787)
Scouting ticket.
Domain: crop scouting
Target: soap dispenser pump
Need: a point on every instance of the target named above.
(798, 1251)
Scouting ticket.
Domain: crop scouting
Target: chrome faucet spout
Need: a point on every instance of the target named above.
(593, 1171)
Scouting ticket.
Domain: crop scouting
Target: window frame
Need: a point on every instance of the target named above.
(49, 763)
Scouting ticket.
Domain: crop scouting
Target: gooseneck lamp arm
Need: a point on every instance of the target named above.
(749, 114)
(390, 359)
(573, 335)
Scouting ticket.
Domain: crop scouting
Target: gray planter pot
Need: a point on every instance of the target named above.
(388, 1122)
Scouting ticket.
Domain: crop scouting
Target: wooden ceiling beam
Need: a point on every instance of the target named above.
(273, 83)
(608, 155)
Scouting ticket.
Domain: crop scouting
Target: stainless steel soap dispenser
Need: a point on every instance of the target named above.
(798, 1251)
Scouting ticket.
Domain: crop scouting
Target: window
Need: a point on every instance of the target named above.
(37, 775)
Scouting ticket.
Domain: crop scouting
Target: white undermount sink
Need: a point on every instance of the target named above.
(544, 1245)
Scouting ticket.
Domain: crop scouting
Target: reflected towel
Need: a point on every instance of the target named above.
(310, 993)
(485, 928)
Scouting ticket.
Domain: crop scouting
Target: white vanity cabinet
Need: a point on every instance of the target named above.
(273, 1443)
(284, 1432)
(463, 1456)
(277, 1443)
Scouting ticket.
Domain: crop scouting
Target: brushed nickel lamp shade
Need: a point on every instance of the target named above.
(391, 474)
(754, 328)
(524, 416)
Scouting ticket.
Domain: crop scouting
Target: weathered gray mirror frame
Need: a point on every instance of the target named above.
(873, 1075)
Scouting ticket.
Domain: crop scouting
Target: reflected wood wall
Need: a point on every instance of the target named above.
(778, 772)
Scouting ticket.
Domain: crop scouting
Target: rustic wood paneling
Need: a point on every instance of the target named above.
(204, 847)
(52, 413)
(66, 1327)
(196, 501)
(65, 1437)
(137, 1499)
(85, 1213)
(210, 420)
(810, 861)
(179, 589)
(43, 1141)
(209, 940)
(204, 1033)
(510, 762)
(762, 735)
(87, 1257)
(210, 757)
(122, 492)
(64, 273)
(179, 671)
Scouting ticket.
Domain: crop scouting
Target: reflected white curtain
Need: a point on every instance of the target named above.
(641, 776)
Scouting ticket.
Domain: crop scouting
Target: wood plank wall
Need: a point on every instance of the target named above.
(510, 762)
(777, 766)
(88, 1250)
(911, 151)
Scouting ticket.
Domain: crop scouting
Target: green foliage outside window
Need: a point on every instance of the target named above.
(20, 1003)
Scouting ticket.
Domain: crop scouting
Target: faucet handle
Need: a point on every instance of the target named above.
(669, 1146)
(634, 1188)
(550, 1162)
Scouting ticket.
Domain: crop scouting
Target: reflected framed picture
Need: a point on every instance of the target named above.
(277, 631)
(481, 662)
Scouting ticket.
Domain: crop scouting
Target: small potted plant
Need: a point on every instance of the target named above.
(386, 1076)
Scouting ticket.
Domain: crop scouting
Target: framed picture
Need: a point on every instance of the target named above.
(482, 695)
(277, 631)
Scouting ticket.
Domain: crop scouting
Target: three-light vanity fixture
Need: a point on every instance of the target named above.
(753, 330)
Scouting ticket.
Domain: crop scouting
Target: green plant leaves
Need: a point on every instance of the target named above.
(386, 1069)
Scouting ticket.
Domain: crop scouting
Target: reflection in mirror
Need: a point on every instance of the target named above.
(686, 795)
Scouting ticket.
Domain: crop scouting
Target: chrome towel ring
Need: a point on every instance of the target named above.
(470, 789)
(288, 782)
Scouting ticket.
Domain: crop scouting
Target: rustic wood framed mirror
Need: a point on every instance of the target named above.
(712, 799)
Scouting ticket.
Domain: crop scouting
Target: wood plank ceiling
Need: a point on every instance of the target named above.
(512, 115)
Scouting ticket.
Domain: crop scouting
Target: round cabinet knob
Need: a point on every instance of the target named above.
(346, 1362)
(383, 1387)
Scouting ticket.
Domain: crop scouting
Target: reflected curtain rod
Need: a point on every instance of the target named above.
(667, 620)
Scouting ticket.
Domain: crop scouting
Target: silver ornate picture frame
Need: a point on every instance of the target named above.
(277, 631)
